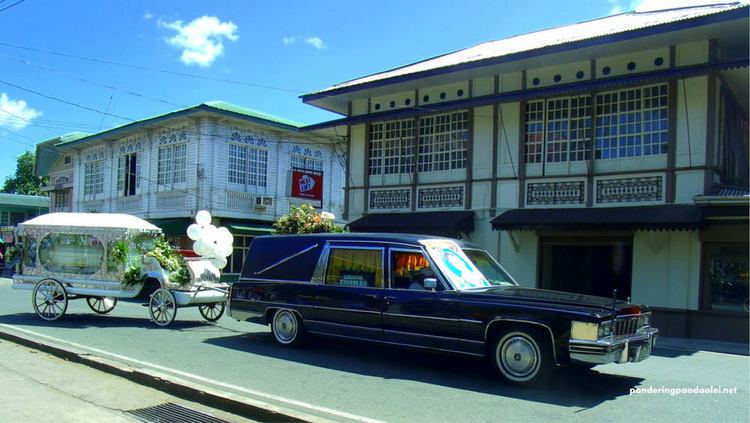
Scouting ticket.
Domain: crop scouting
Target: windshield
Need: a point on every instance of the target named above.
(489, 267)
(455, 265)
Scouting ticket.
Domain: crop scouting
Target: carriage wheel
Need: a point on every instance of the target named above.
(101, 305)
(212, 312)
(162, 307)
(49, 299)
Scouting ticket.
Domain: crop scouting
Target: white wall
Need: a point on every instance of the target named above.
(666, 269)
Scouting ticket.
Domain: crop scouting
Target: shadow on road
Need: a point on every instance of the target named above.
(576, 388)
(84, 321)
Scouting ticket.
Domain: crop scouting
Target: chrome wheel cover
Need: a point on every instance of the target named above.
(518, 356)
(285, 326)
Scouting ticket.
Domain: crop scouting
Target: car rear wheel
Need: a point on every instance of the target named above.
(287, 328)
(522, 356)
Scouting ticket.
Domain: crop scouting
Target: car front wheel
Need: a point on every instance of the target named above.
(287, 328)
(522, 356)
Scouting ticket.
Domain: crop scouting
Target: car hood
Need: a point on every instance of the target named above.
(565, 301)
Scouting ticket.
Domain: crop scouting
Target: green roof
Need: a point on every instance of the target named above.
(220, 107)
(47, 154)
(34, 201)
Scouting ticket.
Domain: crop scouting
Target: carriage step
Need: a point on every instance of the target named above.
(172, 413)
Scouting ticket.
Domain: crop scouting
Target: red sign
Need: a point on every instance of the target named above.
(307, 184)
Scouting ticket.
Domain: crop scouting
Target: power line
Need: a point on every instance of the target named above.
(14, 4)
(88, 81)
(150, 69)
(70, 103)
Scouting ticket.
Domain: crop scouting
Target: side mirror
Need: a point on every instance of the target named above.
(430, 284)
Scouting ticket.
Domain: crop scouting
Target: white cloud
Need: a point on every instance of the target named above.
(16, 114)
(148, 16)
(620, 6)
(201, 40)
(287, 41)
(315, 42)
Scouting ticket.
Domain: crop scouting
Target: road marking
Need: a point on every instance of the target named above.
(126, 359)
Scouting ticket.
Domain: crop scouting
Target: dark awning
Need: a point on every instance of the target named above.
(444, 223)
(248, 226)
(173, 226)
(677, 216)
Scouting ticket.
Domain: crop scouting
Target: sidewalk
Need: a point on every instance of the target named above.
(36, 386)
(693, 345)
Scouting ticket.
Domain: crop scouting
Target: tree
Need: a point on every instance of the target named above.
(306, 220)
(24, 181)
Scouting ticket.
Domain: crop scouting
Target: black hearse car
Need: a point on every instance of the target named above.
(432, 293)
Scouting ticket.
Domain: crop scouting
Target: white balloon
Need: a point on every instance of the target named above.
(194, 232)
(219, 262)
(225, 235)
(202, 248)
(210, 233)
(203, 218)
(224, 250)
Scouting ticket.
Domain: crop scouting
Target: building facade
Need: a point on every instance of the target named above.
(16, 208)
(610, 154)
(234, 162)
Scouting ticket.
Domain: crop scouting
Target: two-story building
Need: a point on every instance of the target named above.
(608, 154)
(241, 165)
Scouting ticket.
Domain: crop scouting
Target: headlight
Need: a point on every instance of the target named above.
(645, 319)
(605, 329)
(583, 330)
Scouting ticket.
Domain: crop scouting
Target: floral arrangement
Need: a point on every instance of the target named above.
(306, 220)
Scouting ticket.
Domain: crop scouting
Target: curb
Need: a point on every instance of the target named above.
(189, 391)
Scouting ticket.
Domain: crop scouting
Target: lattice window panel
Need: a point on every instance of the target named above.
(375, 153)
(443, 142)
(390, 199)
(534, 131)
(548, 193)
(443, 197)
(93, 177)
(629, 190)
(632, 122)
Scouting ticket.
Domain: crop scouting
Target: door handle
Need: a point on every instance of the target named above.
(388, 298)
(372, 296)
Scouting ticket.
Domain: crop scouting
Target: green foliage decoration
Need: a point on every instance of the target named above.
(305, 219)
(132, 276)
(171, 261)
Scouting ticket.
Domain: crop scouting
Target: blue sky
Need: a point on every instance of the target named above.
(276, 50)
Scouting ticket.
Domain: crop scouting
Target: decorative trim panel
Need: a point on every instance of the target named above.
(242, 136)
(629, 190)
(441, 197)
(549, 193)
(389, 199)
(173, 135)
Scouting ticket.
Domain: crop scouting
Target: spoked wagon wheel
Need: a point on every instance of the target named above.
(101, 305)
(49, 299)
(212, 312)
(162, 307)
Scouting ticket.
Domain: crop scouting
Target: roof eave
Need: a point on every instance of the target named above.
(738, 13)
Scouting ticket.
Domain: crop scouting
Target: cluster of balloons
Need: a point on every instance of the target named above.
(211, 242)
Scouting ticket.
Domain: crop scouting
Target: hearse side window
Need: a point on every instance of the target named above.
(355, 267)
(409, 269)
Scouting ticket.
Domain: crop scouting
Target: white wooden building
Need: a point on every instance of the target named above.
(232, 161)
(609, 154)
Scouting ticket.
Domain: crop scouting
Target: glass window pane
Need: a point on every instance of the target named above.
(355, 267)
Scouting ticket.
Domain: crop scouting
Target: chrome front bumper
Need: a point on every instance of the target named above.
(621, 349)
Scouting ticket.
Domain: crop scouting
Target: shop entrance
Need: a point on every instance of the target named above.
(589, 266)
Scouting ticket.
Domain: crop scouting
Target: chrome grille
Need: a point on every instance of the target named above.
(628, 325)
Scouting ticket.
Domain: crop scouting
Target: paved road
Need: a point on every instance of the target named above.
(349, 381)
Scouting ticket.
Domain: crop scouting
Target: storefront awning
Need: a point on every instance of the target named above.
(446, 223)
(174, 226)
(666, 217)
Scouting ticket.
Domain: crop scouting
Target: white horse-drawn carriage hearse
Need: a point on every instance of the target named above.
(103, 258)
